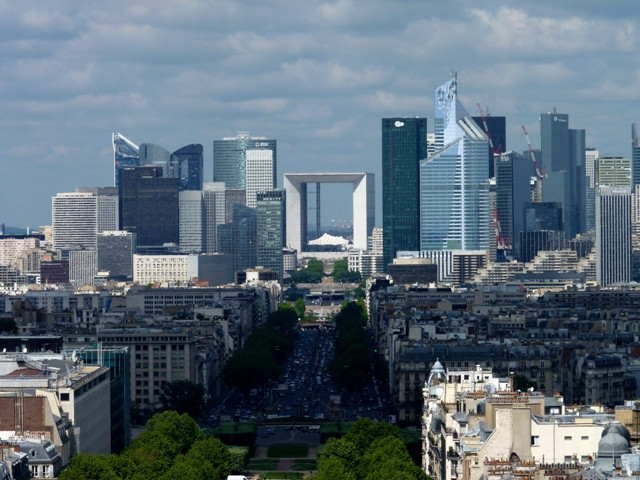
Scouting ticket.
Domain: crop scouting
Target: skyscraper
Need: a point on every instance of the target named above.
(191, 220)
(213, 214)
(75, 221)
(591, 159)
(404, 144)
(149, 205)
(238, 237)
(498, 131)
(563, 156)
(107, 206)
(613, 235)
(187, 166)
(152, 155)
(261, 167)
(454, 181)
(270, 207)
(614, 172)
(230, 158)
(635, 153)
(125, 154)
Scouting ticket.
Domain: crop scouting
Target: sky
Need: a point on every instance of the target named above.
(316, 75)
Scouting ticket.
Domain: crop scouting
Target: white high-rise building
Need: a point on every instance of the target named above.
(108, 217)
(613, 235)
(75, 221)
(261, 167)
(190, 221)
(214, 214)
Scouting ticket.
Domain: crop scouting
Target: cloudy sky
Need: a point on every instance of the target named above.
(316, 75)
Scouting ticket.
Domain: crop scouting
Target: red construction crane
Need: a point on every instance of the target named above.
(501, 244)
(495, 151)
(539, 175)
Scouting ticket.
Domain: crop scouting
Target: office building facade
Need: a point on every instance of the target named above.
(613, 235)
(261, 168)
(238, 238)
(404, 144)
(454, 181)
(125, 154)
(149, 205)
(230, 158)
(270, 210)
(191, 210)
(152, 155)
(115, 254)
(591, 160)
(75, 221)
(83, 266)
(186, 164)
(614, 172)
(563, 157)
(214, 214)
(635, 153)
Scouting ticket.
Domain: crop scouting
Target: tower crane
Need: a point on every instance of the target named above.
(501, 244)
(495, 151)
(539, 175)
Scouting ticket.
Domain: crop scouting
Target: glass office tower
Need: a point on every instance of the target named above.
(404, 144)
(187, 166)
(125, 154)
(270, 207)
(635, 154)
(229, 158)
(454, 181)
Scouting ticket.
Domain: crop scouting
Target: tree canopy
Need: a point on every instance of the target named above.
(312, 273)
(263, 353)
(369, 451)
(342, 274)
(352, 361)
(172, 446)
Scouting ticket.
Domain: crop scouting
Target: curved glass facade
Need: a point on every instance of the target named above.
(454, 181)
(125, 154)
(229, 159)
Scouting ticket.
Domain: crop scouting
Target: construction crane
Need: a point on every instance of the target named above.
(539, 175)
(501, 245)
(495, 151)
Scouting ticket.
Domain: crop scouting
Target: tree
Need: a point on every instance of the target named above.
(183, 396)
(300, 306)
(341, 273)
(90, 467)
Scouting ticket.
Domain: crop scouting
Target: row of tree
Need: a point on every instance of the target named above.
(369, 451)
(172, 446)
(342, 274)
(352, 359)
(312, 273)
(264, 352)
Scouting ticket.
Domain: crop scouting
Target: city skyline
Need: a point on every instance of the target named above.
(317, 78)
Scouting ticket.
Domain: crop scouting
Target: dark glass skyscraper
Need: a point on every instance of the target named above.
(125, 154)
(148, 205)
(187, 166)
(404, 144)
(498, 132)
(230, 162)
(271, 236)
(563, 156)
(238, 237)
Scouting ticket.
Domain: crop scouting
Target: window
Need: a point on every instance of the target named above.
(64, 397)
(584, 437)
(535, 441)
(568, 437)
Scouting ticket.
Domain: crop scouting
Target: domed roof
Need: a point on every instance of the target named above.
(618, 428)
(612, 444)
(437, 375)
